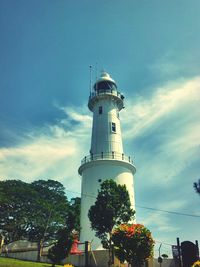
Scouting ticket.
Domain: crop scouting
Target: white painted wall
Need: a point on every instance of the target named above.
(93, 175)
(103, 139)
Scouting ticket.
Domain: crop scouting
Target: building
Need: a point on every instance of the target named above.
(106, 159)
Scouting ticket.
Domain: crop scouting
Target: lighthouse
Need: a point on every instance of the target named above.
(106, 159)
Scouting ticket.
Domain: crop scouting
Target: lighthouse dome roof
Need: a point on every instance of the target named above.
(105, 82)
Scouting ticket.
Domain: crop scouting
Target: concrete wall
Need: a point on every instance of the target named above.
(165, 263)
(98, 258)
(25, 254)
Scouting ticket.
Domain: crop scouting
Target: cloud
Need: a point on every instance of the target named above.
(163, 130)
(142, 113)
(53, 152)
(78, 114)
(159, 222)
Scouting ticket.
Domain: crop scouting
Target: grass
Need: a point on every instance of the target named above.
(7, 262)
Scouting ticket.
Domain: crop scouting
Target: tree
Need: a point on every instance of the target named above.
(133, 243)
(197, 186)
(112, 207)
(34, 211)
(73, 215)
(65, 237)
(62, 246)
(48, 213)
(15, 204)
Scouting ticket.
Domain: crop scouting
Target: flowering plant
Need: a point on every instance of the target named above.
(133, 243)
(196, 264)
(68, 265)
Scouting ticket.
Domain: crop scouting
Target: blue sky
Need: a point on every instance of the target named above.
(151, 49)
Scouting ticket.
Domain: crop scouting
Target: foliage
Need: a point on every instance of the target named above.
(34, 211)
(133, 243)
(112, 207)
(64, 237)
(73, 215)
(197, 186)
(49, 210)
(62, 247)
(16, 202)
(196, 264)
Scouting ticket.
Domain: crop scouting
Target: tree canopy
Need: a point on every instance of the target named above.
(62, 246)
(35, 211)
(16, 202)
(112, 207)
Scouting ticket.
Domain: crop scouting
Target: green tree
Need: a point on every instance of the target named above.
(112, 207)
(64, 237)
(16, 199)
(197, 186)
(73, 215)
(34, 211)
(62, 246)
(48, 213)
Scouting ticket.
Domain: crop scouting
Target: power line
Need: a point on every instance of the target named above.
(171, 212)
(147, 208)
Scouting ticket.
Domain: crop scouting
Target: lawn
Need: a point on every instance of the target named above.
(7, 262)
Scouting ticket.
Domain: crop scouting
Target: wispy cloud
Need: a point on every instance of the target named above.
(165, 129)
(53, 152)
(142, 113)
(159, 222)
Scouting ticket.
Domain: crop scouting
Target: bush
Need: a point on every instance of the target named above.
(133, 243)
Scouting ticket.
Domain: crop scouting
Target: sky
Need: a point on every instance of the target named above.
(151, 50)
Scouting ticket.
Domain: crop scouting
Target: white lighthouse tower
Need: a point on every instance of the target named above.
(107, 159)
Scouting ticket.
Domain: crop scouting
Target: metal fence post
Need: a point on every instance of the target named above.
(86, 253)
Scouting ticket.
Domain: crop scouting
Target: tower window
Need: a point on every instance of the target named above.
(100, 110)
(104, 85)
(113, 127)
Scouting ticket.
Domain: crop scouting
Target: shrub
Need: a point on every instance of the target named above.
(133, 243)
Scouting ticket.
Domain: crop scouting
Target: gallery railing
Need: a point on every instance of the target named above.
(106, 91)
(107, 155)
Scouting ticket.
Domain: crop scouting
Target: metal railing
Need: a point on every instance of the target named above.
(106, 91)
(106, 155)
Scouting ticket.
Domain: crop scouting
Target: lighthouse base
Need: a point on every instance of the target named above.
(95, 258)
(99, 258)
(93, 174)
